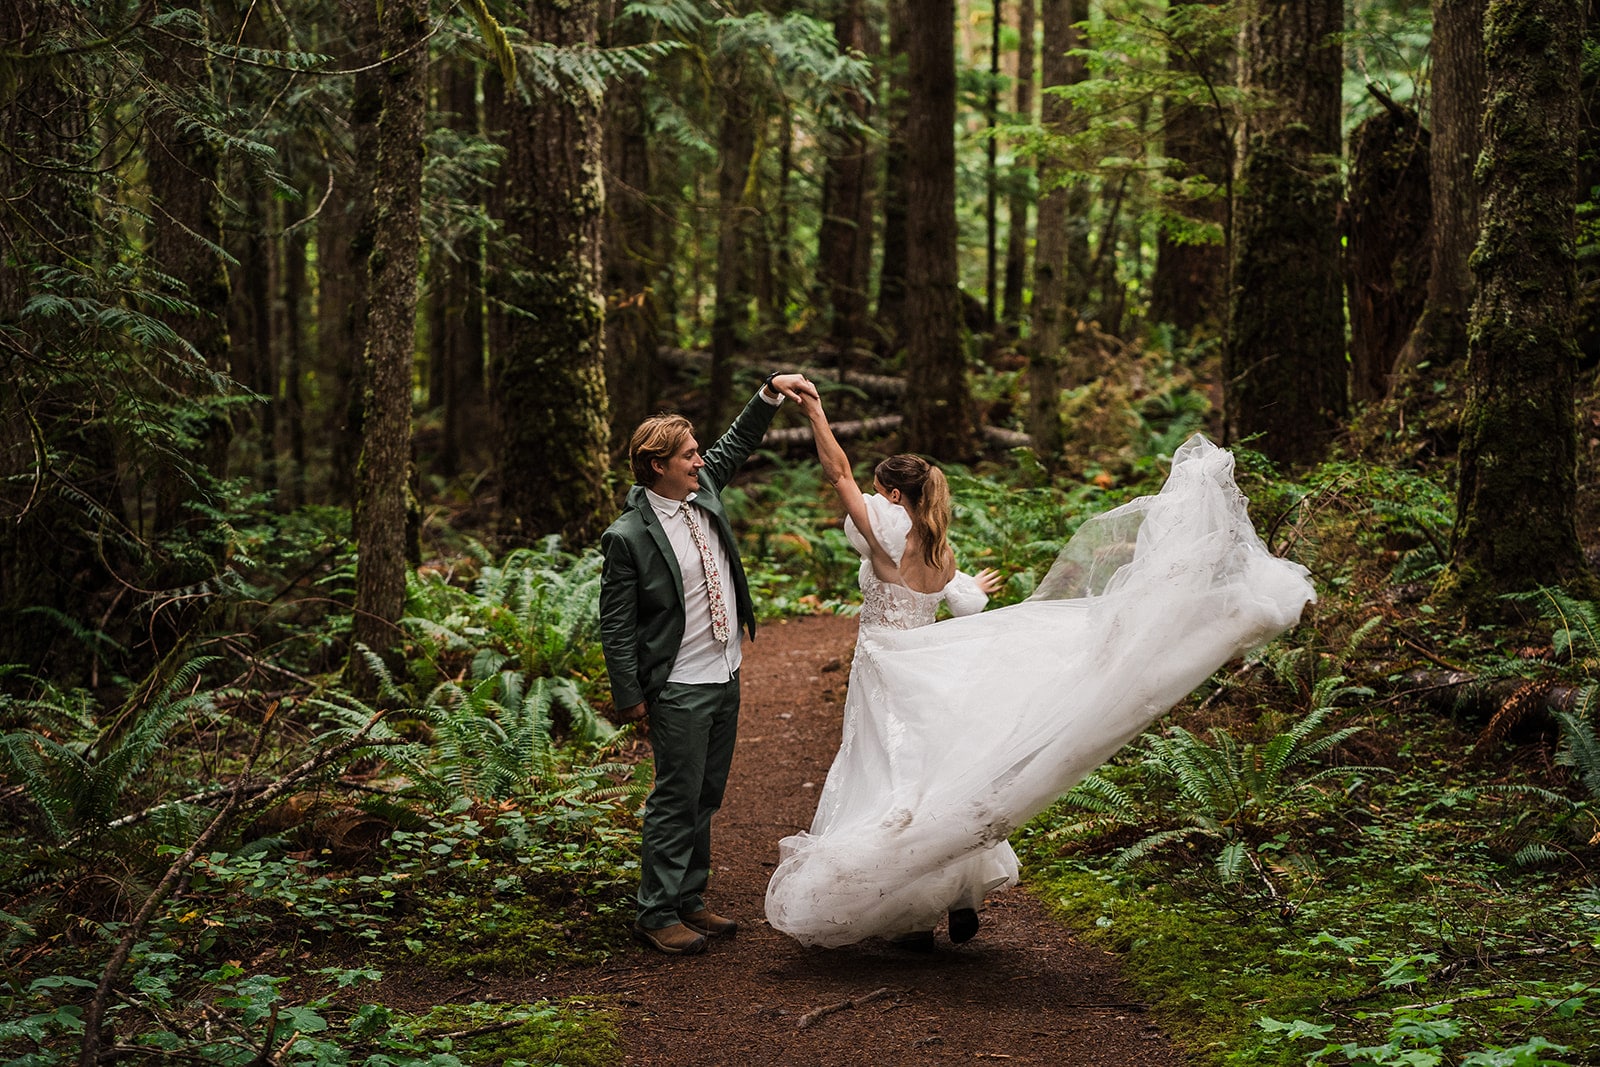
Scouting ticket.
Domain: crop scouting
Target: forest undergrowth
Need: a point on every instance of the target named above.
(1372, 842)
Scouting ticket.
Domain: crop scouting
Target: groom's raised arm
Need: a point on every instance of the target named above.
(724, 458)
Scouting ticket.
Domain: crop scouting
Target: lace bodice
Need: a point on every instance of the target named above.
(888, 605)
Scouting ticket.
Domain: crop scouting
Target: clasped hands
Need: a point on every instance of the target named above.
(796, 387)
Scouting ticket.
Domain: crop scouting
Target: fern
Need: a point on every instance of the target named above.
(77, 792)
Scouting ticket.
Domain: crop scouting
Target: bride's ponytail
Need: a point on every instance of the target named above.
(927, 499)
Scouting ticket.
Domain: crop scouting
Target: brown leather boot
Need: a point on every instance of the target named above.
(674, 940)
(705, 922)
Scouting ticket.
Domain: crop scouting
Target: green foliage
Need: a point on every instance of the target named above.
(79, 784)
(1239, 798)
(523, 641)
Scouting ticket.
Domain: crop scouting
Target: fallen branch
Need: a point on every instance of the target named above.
(811, 1018)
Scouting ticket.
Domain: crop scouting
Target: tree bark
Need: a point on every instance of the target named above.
(59, 508)
(896, 191)
(1019, 200)
(1386, 255)
(844, 238)
(938, 409)
(1516, 497)
(730, 321)
(1284, 368)
(184, 244)
(1440, 336)
(547, 329)
(1187, 285)
(1050, 310)
(456, 342)
(991, 175)
(344, 241)
(633, 256)
(382, 498)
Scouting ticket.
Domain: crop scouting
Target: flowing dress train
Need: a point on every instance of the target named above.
(956, 734)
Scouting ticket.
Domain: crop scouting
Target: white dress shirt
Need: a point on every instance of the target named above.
(702, 658)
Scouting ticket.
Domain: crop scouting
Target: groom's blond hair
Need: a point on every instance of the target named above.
(657, 438)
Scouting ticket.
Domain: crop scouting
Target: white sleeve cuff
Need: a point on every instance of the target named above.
(762, 393)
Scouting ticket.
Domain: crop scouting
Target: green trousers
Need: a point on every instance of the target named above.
(692, 730)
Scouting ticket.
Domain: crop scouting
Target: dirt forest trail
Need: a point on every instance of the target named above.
(1022, 992)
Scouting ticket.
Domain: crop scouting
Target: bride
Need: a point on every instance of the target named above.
(907, 570)
(957, 734)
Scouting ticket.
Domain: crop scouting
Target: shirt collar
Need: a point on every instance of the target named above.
(665, 506)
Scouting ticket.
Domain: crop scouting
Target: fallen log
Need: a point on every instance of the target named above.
(801, 435)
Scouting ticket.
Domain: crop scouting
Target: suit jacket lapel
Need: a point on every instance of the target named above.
(652, 523)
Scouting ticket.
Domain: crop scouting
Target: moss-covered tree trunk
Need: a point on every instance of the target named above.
(548, 316)
(1050, 312)
(1516, 497)
(1019, 199)
(1284, 369)
(938, 409)
(382, 496)
(1386, 255)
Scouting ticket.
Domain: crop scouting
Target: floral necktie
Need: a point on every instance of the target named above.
(719, 610)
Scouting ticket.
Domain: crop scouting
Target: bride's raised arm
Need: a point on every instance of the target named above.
(836, 469)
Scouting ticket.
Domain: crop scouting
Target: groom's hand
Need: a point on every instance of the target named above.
(795, 386)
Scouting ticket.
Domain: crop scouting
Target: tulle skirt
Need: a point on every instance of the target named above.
(957, 733)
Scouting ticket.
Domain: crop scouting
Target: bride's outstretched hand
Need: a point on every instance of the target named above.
(990, 581)
(811, 407)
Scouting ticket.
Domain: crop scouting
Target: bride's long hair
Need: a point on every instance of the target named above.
(927, 497)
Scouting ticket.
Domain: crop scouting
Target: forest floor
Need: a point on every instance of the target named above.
(1023, 991)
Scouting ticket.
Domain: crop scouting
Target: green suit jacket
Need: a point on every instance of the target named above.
(641, 590)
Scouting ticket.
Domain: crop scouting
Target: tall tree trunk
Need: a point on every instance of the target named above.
(547, 332)
(1019, 199)
(456, 343)
(1050, 311)
(845, 234)
(1588, 322)
(896, 181)
(1440, 336)
(991, 175)
(736, 141)
(382, 516)
(1284, 369)
(1187, 286)
(1386, 255)
(633, 258)
(344, 242)
(938, 416)
(1516, 497)
(185, 245)
(250, 328)
(293, 253)
(57, 472)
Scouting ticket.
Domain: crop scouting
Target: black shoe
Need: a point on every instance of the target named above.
(916, 941)
(963, 925)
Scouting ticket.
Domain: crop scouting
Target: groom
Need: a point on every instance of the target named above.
(673, 599)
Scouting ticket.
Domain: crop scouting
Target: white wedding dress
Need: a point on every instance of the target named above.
(956, 734)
